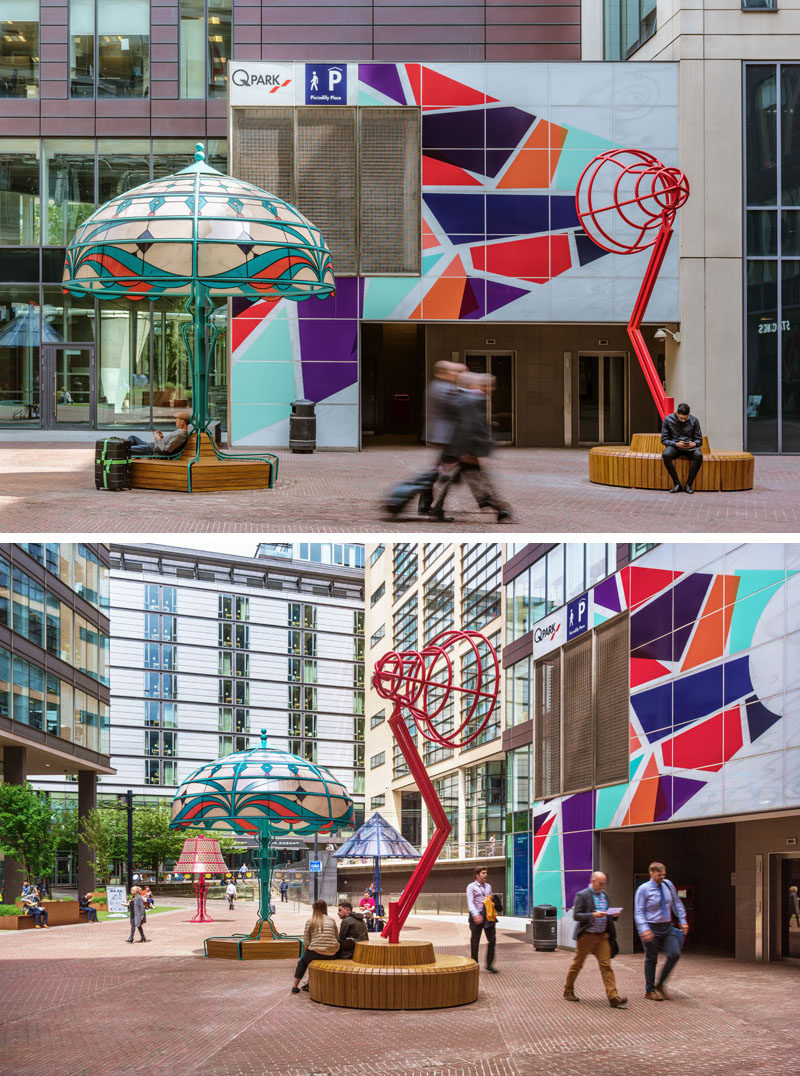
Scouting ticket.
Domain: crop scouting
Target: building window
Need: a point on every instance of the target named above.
(358, 648)
(469, 679)
(358, 622)
(485, 796)
(358, 702)
(377, 760)
(446, 789)
(376, 553)
(405, 625)
(109, 48)
(377, 801)
(399, 764)
(431, 551)
(759, 5)
(377, 594)
(432, 751)
(377, 719)
(19, 49)
(378, 635)
(480, 584)
(404, 567)
(205, 47)
(439, 600)
(517, 693)
(628, 24)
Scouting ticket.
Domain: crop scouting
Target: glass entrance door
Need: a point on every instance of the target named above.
(787, 906)
(68, 385)
(500, 403)
(602, 395)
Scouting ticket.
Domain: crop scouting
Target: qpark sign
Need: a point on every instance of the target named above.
(265, 83)
(566, 623)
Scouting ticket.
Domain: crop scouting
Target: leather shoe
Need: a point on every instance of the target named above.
(304, 987)
(503, 514)
(440, 517)
(688, 489)
(677, 488)
(653, 995)
(493, 970)
(617, 1002)
(666, 995)
(422, 510)
(571, 996)
(295, 989)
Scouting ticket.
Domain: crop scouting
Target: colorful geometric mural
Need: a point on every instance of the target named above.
(714, 709)
(503, 146)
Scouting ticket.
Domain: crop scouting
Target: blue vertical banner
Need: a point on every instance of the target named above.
(522, 875)
(578, 616)
(326, 84)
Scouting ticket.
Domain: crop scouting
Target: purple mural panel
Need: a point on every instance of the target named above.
(588, 250)
(689, 593)
(497, 296)
(653, 622)
(759, 718)
(577, 850)
(328, 350)
(663, 805)
(344, 304)
(654, 711)
(682, 791)
(607, 594)
(539, 820)
(577, 812)
(574, 882)
(383, 78)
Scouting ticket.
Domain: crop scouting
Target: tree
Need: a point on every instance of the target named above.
(27, 829)
(105, 831)
(154, 842)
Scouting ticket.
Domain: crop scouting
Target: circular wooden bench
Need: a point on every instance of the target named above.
(408, 975)
(212, 471)
(639, 466)
(258, 945)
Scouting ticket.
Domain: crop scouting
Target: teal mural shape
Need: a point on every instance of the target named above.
(383, 294)
(756, 589)
(607, 802)
(550, 858)
(547, 888)
(580, 147)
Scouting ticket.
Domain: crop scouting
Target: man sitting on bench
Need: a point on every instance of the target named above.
(681, 436)
(163, 445)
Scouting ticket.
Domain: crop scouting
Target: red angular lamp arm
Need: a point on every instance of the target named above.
(665, 404)
(400, 910)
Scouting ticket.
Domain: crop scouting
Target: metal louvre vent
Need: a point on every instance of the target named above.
(263, 149)
(613, 702)
(327, 172)
(577, 719)
(548, 726)
(390, 190)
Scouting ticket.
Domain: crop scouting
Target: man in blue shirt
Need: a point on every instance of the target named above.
(594, 933)
(656, 902)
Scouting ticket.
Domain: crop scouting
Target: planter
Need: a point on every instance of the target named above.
(16, 922)
(61, 912)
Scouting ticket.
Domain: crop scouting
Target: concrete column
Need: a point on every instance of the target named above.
(462, 816)
(423, 822)
(15, 772)
(87, 800)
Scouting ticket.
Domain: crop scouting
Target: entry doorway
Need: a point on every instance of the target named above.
(500, 403)
(68, 396)
(602, 399)
(392, 377)
(786, 908)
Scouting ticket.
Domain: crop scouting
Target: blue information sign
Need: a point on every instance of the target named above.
(315, 866)
(326, 84)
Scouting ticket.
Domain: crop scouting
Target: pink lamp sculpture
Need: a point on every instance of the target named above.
(200, 856)
(626, 200)
(423, 683)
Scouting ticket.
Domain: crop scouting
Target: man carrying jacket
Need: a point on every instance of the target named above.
(681, 436)
(596, 933)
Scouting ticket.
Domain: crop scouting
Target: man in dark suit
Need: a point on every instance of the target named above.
(594, 933)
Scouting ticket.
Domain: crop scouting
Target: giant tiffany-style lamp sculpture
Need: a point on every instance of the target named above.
(408, 974)
(626, 201)
(263, 793)
(200, 856)
(205, 236)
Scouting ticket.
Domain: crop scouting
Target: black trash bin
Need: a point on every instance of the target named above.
(303, 426)
(545, 928)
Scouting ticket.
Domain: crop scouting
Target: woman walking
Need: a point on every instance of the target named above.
(320, 941)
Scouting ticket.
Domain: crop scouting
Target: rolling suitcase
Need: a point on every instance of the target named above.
(112, 464)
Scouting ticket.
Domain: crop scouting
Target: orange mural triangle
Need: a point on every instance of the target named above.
(441, 174)
(439, 91)
(642, 806)
(428, 238)
(534, 165)
(634, 743)
(709, 636)
(443, 300)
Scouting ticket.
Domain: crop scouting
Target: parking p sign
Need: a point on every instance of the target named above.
(326, 84)
(577, 616)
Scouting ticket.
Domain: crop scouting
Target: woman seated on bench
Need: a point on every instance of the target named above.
(30, 902)
(163, 445)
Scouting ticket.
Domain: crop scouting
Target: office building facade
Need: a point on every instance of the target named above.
(54, 675)
(653, 715)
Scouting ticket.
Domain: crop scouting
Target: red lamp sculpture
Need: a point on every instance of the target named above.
(200, 856)
(423, 683)
(626, 200)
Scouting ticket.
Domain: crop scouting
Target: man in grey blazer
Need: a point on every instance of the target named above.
(595, 932)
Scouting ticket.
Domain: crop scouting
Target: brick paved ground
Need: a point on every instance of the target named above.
(78, 1000)
(49, 487)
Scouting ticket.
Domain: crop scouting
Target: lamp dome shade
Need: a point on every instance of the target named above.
(262, 791)
(198, 226)
(376, 838)
(200, 855)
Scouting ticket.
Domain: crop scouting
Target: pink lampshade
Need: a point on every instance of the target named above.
(200, 855)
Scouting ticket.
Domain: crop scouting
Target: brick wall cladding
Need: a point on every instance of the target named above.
(381, 30)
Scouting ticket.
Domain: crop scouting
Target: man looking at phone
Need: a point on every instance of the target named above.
(681, 436)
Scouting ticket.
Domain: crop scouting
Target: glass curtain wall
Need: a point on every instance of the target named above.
(142, 366)
(772, 283)
(205, 40)
(19, 48)
(109, 48)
